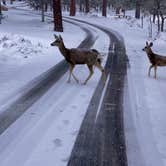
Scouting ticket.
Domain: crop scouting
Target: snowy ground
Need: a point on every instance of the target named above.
(144, 116)
(145, 122)
(45, 134)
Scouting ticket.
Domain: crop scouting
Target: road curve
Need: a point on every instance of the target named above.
(39, 86)
(101, 140)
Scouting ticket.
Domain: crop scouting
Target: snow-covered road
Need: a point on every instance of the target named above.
(144, 116)
(49, 127)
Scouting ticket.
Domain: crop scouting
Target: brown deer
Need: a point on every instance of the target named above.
(155, 59)
(74, 56)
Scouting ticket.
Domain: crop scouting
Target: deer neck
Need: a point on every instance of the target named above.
(150, 53)
(63, 50)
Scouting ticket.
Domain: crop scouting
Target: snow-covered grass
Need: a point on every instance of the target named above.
(144, 113)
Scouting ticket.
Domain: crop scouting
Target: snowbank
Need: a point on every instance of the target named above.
(18, 47)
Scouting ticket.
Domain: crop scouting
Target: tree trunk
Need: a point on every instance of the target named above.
(138, 9)
(58, 26)
(42, 10)
(104, 9)
(158, 21)
(142, 21)
(0, 13)
(150, 28)
(80, 7)
(46, 7)
(154, 16)
(162, 24)
(72, 8)
(86, 6)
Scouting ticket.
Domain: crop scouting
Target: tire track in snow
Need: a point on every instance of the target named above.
(39, 87)
(101, 142)
(98, 152)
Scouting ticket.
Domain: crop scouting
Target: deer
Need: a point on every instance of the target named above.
(155, 59)
(79, 56)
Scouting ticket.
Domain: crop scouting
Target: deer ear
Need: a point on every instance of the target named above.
(151, 44)
(147, 44)
(55, 36)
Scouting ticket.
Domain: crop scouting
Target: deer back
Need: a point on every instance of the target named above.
(82, 56)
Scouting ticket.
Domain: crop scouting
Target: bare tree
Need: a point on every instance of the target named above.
(104, 8)
(42, 9)
(87, 6)
(138, 9)
(0, 12)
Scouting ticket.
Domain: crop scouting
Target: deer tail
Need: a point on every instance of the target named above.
(94, 50)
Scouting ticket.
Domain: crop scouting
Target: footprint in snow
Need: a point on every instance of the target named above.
(61, 110)
(74, 133)
(66, 122)
(73, 106)
(65, 159)
(83, 95)
(33, 113)
(57, 142)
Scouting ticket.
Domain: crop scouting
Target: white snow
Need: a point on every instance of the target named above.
(145, 129)
(45, 134)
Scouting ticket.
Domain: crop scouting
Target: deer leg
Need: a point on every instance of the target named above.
(150, 70)
(155, 71)
(98, 65)
(71, 67)
(75, 78)
(90, 67)
(70, 71)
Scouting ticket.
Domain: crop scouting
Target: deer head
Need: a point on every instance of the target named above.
(147, 48)
(58, 41)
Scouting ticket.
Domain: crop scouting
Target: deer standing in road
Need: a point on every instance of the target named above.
(75, 56)
(155, 59)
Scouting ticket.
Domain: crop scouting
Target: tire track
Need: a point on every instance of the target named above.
(101, 141)
(39, 86)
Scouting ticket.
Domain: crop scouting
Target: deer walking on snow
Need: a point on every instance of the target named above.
(155, 59)
(74, 56)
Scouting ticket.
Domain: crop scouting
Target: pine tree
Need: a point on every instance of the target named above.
(58, 26)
